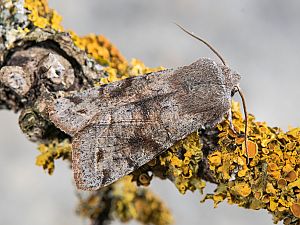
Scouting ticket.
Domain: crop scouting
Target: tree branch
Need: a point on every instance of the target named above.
(37, 58)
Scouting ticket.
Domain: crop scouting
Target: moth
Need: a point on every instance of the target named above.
(118, 127)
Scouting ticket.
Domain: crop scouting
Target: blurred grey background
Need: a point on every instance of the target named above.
(258, 38)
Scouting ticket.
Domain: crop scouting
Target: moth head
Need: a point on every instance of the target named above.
(232, 78)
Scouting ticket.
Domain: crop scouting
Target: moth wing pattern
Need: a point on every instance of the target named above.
(104, 153)
(74, 112)
(128, 123)
(120, 139)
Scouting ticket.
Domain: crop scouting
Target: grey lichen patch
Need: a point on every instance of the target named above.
(15, 78)
(13, 21)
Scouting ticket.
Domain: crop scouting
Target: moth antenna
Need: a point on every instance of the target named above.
(203, 41)
(246, 121)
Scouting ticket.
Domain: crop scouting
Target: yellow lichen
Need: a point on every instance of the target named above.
(131, 202)
(125, 70)
(271, 177)
(124, 201)
(103, 51)
(215, 159)
(241, 189)
(181, 162)
(52, 151)
(42, 16)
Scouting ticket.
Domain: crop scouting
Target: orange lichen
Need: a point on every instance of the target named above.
(291, 176)
(295, 208)
(181, 162)
(102, 50)
(281, 183)
(271, 177)
(42, 16)
(252, 149)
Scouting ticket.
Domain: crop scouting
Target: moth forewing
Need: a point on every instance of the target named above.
(123, 125)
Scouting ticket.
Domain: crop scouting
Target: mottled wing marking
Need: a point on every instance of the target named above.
(73, 113)
(129, 137)
(121, 126)
(100, 158)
